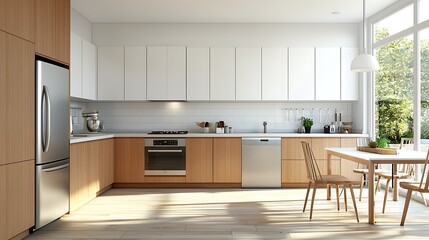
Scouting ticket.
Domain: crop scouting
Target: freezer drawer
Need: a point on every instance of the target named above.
(261, 162)
(52, 191)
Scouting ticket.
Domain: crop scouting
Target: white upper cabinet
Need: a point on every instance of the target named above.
(83, 68)
(248, 73)
(222, 73)
(349, 79)
(75, 65)
(274, 73)
(89, 70)
(176, 73)
(166, 73)
(156, 73)
(301, 74)
(328, 83)
(135, 73)
(198, 82)
(110, 73)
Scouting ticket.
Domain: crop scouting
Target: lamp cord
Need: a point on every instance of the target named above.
(363, 27)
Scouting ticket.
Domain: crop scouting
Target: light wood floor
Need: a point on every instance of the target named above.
(231, 214)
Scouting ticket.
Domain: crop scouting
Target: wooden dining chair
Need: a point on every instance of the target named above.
(315, 178)
(404, 171)
(421, 187)
(363, 169)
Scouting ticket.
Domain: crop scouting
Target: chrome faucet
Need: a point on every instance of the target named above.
(265, 126)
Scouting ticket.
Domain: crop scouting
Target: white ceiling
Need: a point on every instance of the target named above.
(226, 11)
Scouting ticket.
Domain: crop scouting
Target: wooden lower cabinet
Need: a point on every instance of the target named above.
(347, 166)
(199, 160)
(294, 171)
(79, 183)
(91, 170)
(129, 160)
(17, 196)
(227, 160)
(106, 162)
(319, 144)
(91, 155)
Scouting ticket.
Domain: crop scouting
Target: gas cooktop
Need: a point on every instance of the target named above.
(168, 132)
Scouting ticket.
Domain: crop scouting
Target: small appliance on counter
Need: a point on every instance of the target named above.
(92, 124)
(327, 129)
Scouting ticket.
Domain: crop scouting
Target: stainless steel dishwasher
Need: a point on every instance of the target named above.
(261, 162)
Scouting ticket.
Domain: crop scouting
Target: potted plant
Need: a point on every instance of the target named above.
(307, 123)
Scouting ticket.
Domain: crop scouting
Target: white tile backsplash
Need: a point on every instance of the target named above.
(76, 109)
(242, 116)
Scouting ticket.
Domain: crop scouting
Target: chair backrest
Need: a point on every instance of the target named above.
(425, 178)
(313, 171)
(406, 143)
(362, 142)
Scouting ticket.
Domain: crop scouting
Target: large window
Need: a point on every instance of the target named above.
(401, 45)
(394, 89)
(423, 10)
(424, 78)
(394, 23)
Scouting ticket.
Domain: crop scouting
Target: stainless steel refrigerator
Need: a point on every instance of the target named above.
(52, 142)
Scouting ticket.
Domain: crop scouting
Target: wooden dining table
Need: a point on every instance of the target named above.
(371, 159)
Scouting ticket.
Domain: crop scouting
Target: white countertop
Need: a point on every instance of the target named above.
(99, 136)
(91, 137)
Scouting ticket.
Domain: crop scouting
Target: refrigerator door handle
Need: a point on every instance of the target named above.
(47, 141)
(56, 168)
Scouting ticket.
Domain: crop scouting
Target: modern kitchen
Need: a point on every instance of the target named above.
(214, 119)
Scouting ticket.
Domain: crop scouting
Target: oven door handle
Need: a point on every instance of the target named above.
(164, 151)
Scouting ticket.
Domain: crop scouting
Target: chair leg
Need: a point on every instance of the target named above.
(407, 204)
(306, 196)
(338, 197)
(385, 194)
(312, 201)
(354, 202)
(362, 180)
(377, 187)
(424, 199)
(345, 197)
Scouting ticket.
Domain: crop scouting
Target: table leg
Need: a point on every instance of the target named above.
(371, 190)
(395, 182)
(329, 167)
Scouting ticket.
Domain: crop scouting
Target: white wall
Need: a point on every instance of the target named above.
(226, 34)
(242, 116)
(80, 25)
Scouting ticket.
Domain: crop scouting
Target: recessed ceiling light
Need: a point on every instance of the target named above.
(335, 13)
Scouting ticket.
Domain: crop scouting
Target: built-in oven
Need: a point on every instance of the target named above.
(165, 156)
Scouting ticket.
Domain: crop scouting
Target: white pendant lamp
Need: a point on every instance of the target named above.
(364, 62)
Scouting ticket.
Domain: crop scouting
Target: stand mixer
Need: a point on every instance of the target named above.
(92, 124)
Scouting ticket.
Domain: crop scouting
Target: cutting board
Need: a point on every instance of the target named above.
(385, 151)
